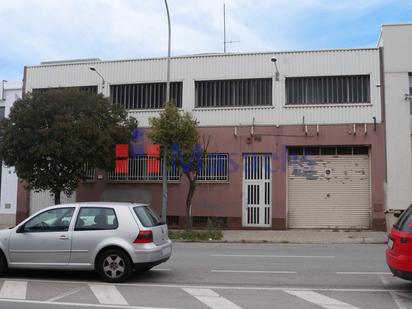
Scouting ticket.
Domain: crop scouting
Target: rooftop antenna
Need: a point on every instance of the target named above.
(224, 30)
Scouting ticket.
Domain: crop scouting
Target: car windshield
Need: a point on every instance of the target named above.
(146, 216)
(404, 223)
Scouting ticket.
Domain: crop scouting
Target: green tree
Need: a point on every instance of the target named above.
(50, 136)
(179, 131)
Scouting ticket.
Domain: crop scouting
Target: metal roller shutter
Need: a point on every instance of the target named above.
(329, 191)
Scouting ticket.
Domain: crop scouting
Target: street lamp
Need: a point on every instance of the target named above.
(164, 174)
(273, 59)
(92, 68)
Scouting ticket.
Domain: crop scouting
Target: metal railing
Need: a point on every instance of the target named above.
(89, 173)
(145, 169)
(214, 168)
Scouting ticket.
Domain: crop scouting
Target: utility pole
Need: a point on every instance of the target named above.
(164, 166)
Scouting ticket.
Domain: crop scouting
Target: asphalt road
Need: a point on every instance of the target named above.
(230, 276)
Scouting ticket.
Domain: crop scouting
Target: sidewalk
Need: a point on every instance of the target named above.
(305, 237)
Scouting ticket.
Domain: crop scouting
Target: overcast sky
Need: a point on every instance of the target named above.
(41, 30)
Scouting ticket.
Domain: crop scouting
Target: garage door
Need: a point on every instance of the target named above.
(43, 199)
(329, 188)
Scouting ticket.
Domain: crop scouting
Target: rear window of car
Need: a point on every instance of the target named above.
(404, 223)
(146, 216)
(96, 218)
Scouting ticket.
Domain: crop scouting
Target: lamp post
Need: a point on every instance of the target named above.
(92, 68)
(164, 176)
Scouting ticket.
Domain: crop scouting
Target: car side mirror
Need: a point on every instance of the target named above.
(20, 229)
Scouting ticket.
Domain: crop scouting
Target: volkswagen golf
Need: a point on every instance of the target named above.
(112, 238)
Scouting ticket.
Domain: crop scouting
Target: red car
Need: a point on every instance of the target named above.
(399, 251)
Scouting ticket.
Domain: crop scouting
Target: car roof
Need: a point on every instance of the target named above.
(100, 204)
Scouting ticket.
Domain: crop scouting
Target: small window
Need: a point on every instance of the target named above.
(360, 150)
(344, 150)
(404, 223)
(296, 151)
(214, 168)
(312, 151)
(53, 220)
(146, 216)
(96, 218)
(329, 151)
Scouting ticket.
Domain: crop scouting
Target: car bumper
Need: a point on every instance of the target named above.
(400, 265)
(151, 253)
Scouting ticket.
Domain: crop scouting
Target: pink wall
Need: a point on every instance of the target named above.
(225, 199)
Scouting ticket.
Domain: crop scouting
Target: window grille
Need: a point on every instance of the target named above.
(328, 89)
(214, 168)
(236, 92)
(145, 169)
(145, 96)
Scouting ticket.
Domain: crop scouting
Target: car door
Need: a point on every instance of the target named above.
(93, 226)
(44, 240)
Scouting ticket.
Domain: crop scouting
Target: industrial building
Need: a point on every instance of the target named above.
(294, 143)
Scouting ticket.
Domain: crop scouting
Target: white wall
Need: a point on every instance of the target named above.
(232, 66)
(397, 48)
(8, 195)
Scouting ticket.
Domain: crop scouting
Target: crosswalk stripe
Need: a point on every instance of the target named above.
(14, 289)
(108, 294)
(321, 300)
(211, 298)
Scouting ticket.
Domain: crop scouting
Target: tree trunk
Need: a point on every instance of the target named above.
(56, 198)
(190, 193)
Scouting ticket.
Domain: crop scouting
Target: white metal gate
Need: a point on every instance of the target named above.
(43, 199)
(257, 193)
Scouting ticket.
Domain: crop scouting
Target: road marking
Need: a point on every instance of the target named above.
(77, 304)
(161, 269)
(14, 289)
(253, 271)
(68, 293)
(220, 287)
(363, 273)
(275, 256)
(321, 300)
(398, 301)
(108, 294)
(211, 299)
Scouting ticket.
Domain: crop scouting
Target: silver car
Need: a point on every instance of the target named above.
(112, 238)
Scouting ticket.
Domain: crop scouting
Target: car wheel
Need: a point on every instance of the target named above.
(3, 263)
(114, 266)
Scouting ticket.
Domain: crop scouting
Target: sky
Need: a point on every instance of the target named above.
(45, 30)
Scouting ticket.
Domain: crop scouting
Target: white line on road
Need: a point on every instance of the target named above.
(321, 300)
(161, 269)
(253, 271)
(223, 287)
(108, 294)
(68, 293)
(14, 289)
(275, 256)
(211, 299)
(398, 301)
(363, 273)
(77, 304)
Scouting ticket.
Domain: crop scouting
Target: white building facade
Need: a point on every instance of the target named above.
(9, 93)
(396, 43)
